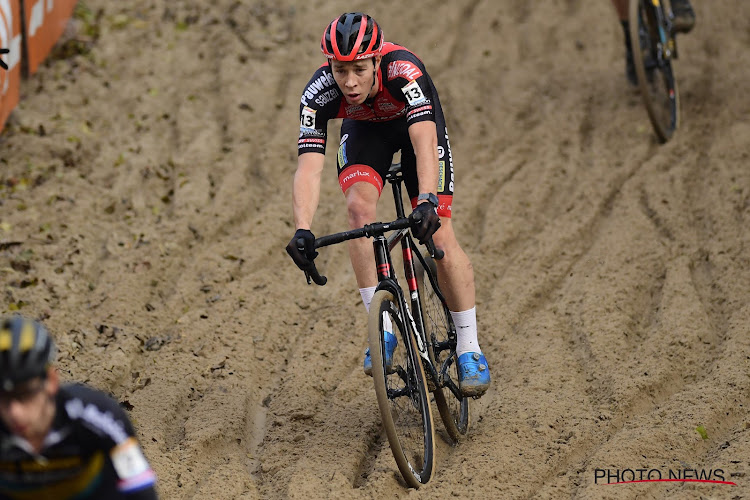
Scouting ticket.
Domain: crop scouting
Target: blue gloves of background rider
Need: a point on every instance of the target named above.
(425, 221)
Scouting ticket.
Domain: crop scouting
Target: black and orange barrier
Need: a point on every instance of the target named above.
(28, 29)
(45, 22)
(10, 38)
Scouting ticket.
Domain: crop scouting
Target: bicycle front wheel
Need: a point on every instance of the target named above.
(653, 52)
(441, 345)
(402, 394)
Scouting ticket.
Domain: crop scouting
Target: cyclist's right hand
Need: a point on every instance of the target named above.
(302, 249)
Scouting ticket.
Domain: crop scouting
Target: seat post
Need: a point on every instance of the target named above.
(395, 177)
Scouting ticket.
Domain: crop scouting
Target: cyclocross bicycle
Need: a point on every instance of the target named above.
(654, 48)
(425, 360)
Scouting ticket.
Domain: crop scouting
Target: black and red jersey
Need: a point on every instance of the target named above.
(405, 92)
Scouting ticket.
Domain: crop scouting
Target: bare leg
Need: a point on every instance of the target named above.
(455, 271)
(361, 203)
(621, 6)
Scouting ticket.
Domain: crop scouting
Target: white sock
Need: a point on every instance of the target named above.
(367, 295)
(466, 331)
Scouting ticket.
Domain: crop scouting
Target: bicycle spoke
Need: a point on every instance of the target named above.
(441, 337)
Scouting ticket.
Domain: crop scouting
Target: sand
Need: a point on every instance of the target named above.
(145, 202)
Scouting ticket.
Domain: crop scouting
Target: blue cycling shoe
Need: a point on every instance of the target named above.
(473, 374)
(390, 345)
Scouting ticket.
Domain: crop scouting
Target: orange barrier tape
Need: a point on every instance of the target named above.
(45, 22)
(10, 38)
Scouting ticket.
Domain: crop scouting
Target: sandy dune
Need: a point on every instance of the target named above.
(145, 203)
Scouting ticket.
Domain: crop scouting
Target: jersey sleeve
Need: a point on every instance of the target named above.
(408, 81)
(133, 471)
(108, 421)
(320, 102)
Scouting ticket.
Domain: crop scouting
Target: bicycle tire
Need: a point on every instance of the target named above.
(653, 67)
(402, 394)
(439, 331)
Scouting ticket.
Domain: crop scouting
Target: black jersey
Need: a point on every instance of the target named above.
(89, 453)
(406, 92)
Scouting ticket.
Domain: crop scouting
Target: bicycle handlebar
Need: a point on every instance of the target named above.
(312, 272)
(369, 230)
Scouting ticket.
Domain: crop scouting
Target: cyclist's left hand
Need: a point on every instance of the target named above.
(429, 223)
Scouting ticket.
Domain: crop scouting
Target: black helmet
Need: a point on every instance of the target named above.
(26, 351)
(352, 37)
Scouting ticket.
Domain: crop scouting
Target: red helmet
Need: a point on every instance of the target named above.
(351, 37)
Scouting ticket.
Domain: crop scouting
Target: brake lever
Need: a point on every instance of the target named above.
(311, 274)
(434, 252)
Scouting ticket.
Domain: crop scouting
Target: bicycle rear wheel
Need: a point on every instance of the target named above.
(441, 346)
(402, 393)
(653, 50)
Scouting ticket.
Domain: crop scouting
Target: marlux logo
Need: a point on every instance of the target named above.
(358, 176)
(356, 173)
(403, 69)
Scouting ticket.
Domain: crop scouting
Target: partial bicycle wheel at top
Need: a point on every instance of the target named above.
(654, 50)
(440, 334)
(401, 391)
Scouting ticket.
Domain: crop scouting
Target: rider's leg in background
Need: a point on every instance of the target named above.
(621, 6)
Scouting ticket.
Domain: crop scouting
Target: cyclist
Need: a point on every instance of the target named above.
(388, 103)
(61, 441)
(684, 20)
(2, 63)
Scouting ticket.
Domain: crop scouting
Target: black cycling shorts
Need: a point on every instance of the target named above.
(366, 152)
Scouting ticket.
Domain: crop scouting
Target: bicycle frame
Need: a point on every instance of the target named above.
(666, 33)
(387, 280)
(414, 381)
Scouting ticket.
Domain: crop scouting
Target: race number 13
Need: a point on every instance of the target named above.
(307, 121)
(413, 93)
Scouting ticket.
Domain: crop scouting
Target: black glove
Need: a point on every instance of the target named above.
(2, 64)
(425, 221)
(305, 255)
